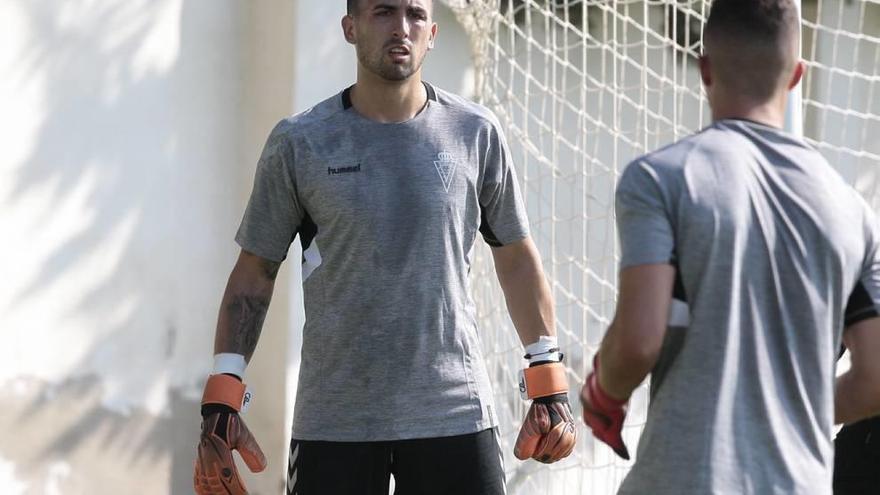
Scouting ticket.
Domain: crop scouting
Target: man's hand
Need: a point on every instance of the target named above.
(223, 430)
(215, 472)
(603, 413)
(548, 432)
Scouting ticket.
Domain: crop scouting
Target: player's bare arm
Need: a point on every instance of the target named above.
(629, 350)
(857, 394)
(242, 313)
(632, 344)
(526, 291)
(548, 433)
(245, 303)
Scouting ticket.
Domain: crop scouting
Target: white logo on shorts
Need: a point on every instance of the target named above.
(445, 165)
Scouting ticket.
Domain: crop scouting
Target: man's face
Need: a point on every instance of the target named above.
(391, 37)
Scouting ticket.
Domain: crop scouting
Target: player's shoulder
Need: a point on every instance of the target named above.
(306, 120)
(463, 107)
(669, 159)
(719, 138)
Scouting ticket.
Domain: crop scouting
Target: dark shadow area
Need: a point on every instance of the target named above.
(67, 424)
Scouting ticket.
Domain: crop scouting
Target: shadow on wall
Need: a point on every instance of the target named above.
(128, 201)
(68, 442)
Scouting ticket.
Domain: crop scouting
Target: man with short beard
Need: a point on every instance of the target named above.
(745, 259)
(387, 184)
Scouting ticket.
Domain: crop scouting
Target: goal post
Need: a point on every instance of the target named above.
(794, 112)
(582, 87)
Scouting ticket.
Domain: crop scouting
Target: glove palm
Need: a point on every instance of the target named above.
(215, 472)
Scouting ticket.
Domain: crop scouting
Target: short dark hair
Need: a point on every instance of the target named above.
(753, 43)
(352, 6)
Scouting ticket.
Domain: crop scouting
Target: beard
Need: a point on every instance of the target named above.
(377, 64)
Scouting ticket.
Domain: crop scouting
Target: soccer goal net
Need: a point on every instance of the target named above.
(581, 88)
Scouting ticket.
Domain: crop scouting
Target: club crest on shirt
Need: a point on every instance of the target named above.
(445, 165)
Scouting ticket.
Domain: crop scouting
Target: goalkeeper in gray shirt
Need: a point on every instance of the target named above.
(745, 259)
(387, 185)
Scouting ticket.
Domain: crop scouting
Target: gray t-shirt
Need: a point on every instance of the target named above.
(774, 254)
(387, 215)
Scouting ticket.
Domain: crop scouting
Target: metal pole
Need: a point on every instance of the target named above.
(794, 113)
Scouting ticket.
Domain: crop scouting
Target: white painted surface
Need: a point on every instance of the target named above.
(112, 193)
(9, 481)
(124, 124)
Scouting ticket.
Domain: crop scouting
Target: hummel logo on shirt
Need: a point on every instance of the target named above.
(343, 170)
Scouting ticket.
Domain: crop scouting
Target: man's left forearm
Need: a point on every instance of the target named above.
(632, 345)
(526, 291)
(623, 368)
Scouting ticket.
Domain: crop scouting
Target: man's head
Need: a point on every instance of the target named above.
(391, 37)
(751, 50)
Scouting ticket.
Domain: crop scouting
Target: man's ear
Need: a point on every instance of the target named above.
(797, 75)
(706, 71)
(348, 29)
(433, 36)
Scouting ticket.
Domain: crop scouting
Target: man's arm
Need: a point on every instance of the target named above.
(548, 433)
(857, 394)
(245, 304)
(631, 346)
(629, 351)
(526, 291)
(242, 312)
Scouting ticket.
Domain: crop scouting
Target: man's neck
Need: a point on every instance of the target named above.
(770, 113)
(388, 101)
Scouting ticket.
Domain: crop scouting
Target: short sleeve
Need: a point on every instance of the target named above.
(864, 301)
(503, 218)
(273, 213)
(643, 222)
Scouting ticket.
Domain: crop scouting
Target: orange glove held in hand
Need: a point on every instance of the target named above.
(603, 413)
(548, 432)
(223, 431)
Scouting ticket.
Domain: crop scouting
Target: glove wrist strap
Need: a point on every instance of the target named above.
(226, 390)
(542, 381)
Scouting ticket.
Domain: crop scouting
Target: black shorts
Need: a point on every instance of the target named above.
(857, 458)
(461, 465)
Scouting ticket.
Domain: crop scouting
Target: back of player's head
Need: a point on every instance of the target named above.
(753, 45)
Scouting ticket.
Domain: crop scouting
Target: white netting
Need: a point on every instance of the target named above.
(841, 104)
(582, 87)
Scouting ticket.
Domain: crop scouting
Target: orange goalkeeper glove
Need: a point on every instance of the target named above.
(548, 432)
(223, 431)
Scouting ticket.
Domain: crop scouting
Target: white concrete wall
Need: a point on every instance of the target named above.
(127, 155)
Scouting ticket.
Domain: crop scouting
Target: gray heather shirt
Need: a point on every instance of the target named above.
(387, 215)
(774, 255)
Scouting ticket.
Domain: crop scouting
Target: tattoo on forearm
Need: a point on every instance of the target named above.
(246, 315)
(270, 269)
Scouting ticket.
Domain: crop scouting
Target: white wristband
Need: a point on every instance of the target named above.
(227, 362)
(545, 349)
